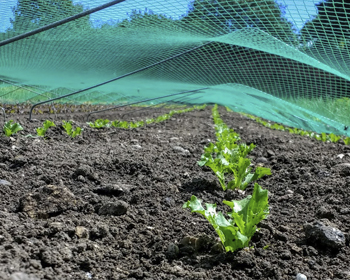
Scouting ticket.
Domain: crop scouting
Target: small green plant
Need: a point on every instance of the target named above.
(233, 162)
(162, 118)
(277, 126)
(320, 137)
(242, 175)
(127, 125)
(149, 121)
(225, 156)
(334, 138)
(323, 137)
(99, 123)
(346, 141)
(236, 232)
(41, 131)
(120, 124)
(115, 123)
(69, 129)
(304, 133)
(11, 128)
(136, 124)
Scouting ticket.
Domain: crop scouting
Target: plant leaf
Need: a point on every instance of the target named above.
(248, 212)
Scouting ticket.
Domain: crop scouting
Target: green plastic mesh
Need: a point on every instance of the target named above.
(254, 56)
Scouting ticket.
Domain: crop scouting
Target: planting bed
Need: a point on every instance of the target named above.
(108, 204)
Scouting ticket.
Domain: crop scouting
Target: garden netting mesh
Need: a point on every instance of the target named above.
(285, 61)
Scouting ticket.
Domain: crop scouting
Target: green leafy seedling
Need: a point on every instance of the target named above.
(334, 138)
(236, 232)
(99, 123)
(324, 137)
(346, 141)
(11, 128)
(136, 124)
(162, 118)
(123, 124)
(41, 131)
(217, 165)
(133, 125)
(304, 133)
(242, 175)
(69, 129)
(317, 137)
(115, 123)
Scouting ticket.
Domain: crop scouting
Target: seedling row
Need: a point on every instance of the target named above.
(10, 127)
(227, 156)
(324, 137)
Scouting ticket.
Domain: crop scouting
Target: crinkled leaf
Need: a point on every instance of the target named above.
(240, 171)
(248, 212)
(11, 128)
(47, 124)
(41, 131)
(67, 127)
(261, 172)
(222, 160)
(76, 132)
(244, 149)
(204, 159)
(99, 123)
(251, 177)
(227, 231)
(246, 181)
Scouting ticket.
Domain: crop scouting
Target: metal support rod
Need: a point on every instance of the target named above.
(58, 23)
(145, 100)
(3, 110)
(117, 78)
(147, 107)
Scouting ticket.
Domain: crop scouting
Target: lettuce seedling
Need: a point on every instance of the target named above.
(162, 118)
(99, 123)
(277, 126)
(123, 124)
(11, 128)
(304, 133)
(134, 124)
(334, 138)
(69, 129)
(218, 165)
(240, 171)
(317, 137)
(243, 149)
(324, 137)
(242, 175)
(235, 233)
(248, 212)
(231, 161)
(41, 131)
(115, 123)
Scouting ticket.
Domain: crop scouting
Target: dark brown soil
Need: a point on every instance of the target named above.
(108, 204)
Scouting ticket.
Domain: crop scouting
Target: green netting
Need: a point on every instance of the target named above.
(285, 64)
